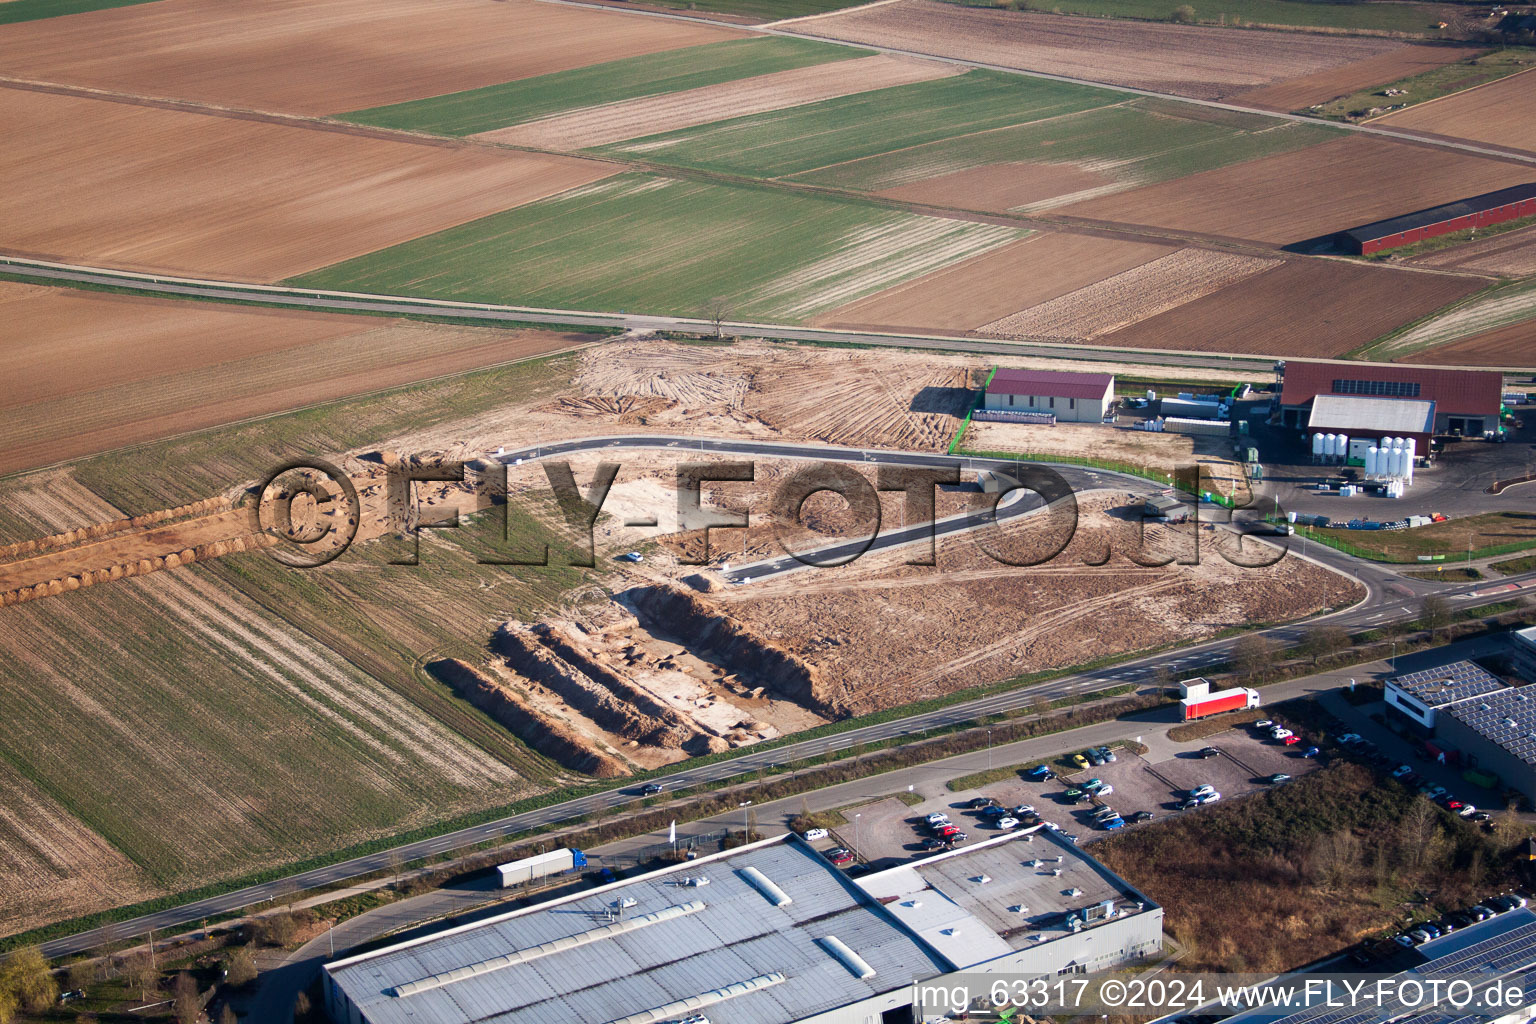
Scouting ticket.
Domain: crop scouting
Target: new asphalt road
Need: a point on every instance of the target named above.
(1389, 597)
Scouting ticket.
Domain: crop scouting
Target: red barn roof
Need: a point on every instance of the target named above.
(1057, 383)
(1454, 392)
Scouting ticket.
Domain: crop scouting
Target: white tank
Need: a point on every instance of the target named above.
(1330, 445)
(1317, 444)
(1408, 472)
(1341, 446)
(1399, 460)
(1413, 447)
(1371, 454)
(1387, 443)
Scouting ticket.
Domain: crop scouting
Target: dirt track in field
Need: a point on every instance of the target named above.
(1322, 86)
(1303, 308)
(302, 57)
(90, 371)
(1000, 187)
(1317, 191)
(162, 190)
(1512, 253)
(990, 287)
(1507, 346)
(652, 115)
(1125, 298)
(1205, 63)
(1502, 113)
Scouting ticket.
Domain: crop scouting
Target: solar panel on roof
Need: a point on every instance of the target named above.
(1448, 683)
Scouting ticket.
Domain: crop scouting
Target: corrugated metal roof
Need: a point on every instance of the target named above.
(1507, 718)
(1454, 392)
(739, 935)
(1444, 212)
(1391, 415)
(1050, 383)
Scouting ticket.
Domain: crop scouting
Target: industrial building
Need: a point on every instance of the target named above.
(1506, 204)
(1471, 718)
(1369, 401)
(1524, 655)
(770, 933)
(1068, 397)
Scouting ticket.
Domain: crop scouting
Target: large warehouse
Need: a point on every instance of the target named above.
(1480, 211)
(1069, 397)
(770, 933)
(1372, 400)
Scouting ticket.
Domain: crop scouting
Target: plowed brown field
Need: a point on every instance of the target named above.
(196, 194)
(1000, 187)
(1501, 112)
(88, 371)
(1320, 308)
(324, 58)
(1206, 63)
(1513, 254)
(1514, 345)
(1317, 191)
(986, 288)
(652, 115)
(1322, 86)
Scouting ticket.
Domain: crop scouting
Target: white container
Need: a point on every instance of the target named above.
(1290, 517)
(1371, 459)
(1341, 446)
(1317, 444)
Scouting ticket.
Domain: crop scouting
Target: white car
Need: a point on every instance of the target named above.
(810, 835)
(1264, 723)
(937, 819)
(1209, 798)
(1200, 791)
(1279, 733)
(1401, 770)
(1007, 823)
(1435, 792)
(1467, 810)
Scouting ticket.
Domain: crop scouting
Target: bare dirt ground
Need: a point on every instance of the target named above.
(652, 115)
(1283, 199)
(1507, 346)
(1320, 87)
(1205, 63)
(307, 58)
(1502, 112)
(989, 287)
(896, 633)
(53, 866)
(1000, 187)
(1136, 294)
(1345, 306)
(199, 194)
(1512, 254)
(1167, 452)
(91, 370)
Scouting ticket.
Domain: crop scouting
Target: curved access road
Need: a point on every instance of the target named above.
(1389, 598)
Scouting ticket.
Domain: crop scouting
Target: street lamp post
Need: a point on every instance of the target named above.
(746, 831)
(856, 832)
(989, 748)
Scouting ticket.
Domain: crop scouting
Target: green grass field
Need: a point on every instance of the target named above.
(640, 243)
(1408, 18)
(1428, 85)
(768, 10)
(33, 10)
(693, 67)
(800, 139)
(1139, 141)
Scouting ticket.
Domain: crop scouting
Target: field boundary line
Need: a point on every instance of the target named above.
(824, 14)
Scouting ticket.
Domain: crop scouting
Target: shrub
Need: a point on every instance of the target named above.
(1183, 15)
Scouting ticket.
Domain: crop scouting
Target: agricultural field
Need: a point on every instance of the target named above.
(768, 253)
(12, 11)
(1505, 346)
(1491, 533)
(1405, 18)
(475, 111)
(1353, 83)
(90, 371)
(1284, 200)
(1195, 61)
(804, 138)
(1442, 71)
(1303, 308)
(1510, 253)
(1502, 113)
(651, 115)
(1136, 294)
(302, 58)
(251, 200)
(1494, 325)
(985, 288)
(1063, 159)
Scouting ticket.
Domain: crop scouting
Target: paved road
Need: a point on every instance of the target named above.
(1389, 597)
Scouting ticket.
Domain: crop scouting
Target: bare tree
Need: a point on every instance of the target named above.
(717, 312)
(1434, 612)
(1322, 641)
(1253, 654)
(186, 1003)
(139, 971)
(241, 967)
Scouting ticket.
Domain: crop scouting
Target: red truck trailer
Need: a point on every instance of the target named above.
(1205, 705)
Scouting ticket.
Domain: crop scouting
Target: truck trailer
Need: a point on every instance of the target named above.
(529, 869)
(1206, 704)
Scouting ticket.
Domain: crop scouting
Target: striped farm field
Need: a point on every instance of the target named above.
(656, 74)
(1103, 150)
(636, 242)
(1500, 311)
(818, 135)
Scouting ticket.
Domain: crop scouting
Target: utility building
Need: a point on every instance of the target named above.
(1069, 397)
(1506, 204)
(770, 933)
(1402, 401)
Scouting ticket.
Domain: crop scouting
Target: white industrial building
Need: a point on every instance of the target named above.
(770, 933)
(1069, 397)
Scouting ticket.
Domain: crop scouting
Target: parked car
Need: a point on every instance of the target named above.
(1189, 803)
(1075, 793)
(1106, 812)
(1202, 790)
(1107, 754)
(1451, 803)
(1142, 816)
(1480, 816)
(1113, 823)
(1350, 738)
(1007, 822)
(1419, 936)
(1435, 792)
(1080, 760)
(1403, 940)
(1092, 785)
(937, 818)
(810, 835)
(1278, 733)
(1095, 758)
(1291, 740)
(930, 843)
(981, 801)
(1209, 752)
(1311, 752)
(945, 829)
(1209, 798)
(1468, 811)
(994, 812)
(1264, 723)
(842, 858)
(1400, 771)
(956, 837)
(1277, 778)
(1041, 772)
(1024, 809)
(1478, 912)
(632, 556)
